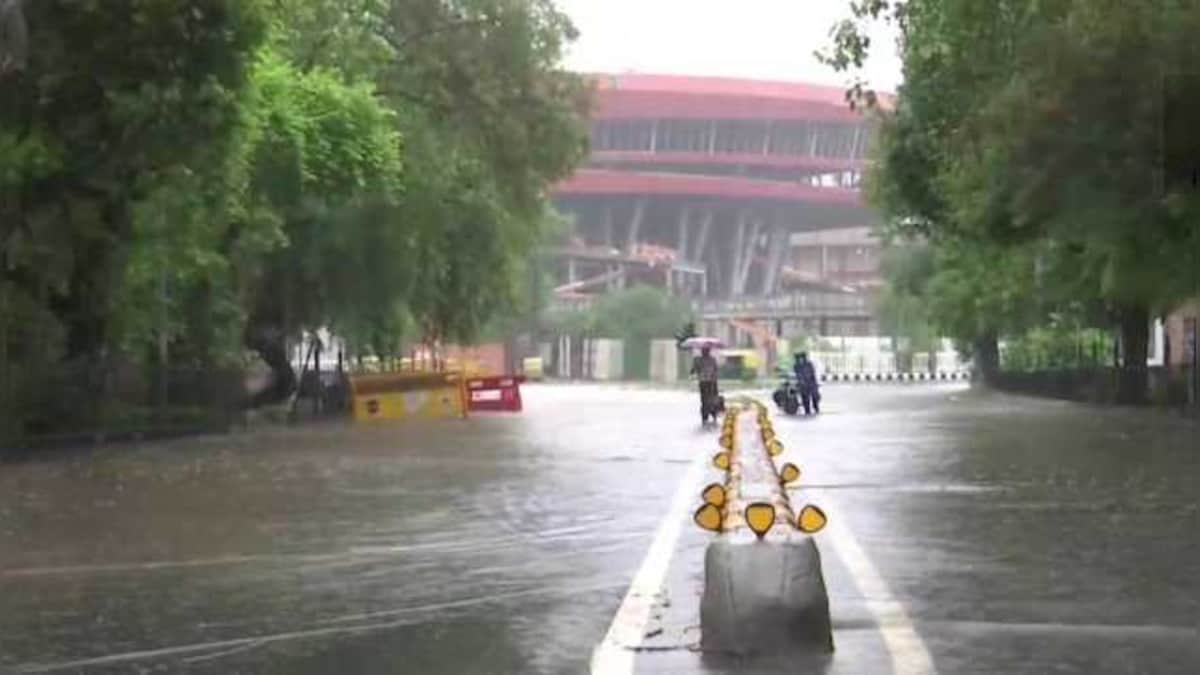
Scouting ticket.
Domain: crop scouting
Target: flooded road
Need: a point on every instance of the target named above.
(1020, 535)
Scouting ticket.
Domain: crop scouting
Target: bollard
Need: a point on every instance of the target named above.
(764, 590)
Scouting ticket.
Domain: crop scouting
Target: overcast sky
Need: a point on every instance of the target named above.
(761, 39)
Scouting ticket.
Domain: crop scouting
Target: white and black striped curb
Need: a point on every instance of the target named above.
(957, 375)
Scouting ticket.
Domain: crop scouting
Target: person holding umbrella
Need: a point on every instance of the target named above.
(706, 369)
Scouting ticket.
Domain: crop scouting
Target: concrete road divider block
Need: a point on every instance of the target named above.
(764, 591)
(765, 598)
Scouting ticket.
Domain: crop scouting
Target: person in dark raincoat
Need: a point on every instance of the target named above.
(806, 381)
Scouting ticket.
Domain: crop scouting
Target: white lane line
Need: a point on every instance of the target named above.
(908, 652)
(615, 655)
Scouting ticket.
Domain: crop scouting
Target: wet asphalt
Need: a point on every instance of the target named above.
(1018, 535)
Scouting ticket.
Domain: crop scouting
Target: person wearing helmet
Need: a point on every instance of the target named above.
(806, 381)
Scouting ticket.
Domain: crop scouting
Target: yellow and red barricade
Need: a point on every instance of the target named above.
(390, 396)
(495, 394)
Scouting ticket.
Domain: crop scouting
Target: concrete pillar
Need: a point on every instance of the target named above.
(684, 216)
(572, 272)
(747, 258)
(735, 259)
(775, 252)
(705, 225)
(635, 223)
(718, 286)
(664, 361)
(654, 136)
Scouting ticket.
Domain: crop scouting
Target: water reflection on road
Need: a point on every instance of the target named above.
(503, 544)
(458, 546)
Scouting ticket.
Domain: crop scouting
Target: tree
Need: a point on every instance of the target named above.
(1031, 125)
(112, 97)
(640, 313)
(179, 179)
(327, 163)
(903, 305)
(490, 121)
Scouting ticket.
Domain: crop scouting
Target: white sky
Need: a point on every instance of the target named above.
(760, 39)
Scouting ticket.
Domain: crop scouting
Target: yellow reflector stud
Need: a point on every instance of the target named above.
(714, 494)
(811, 520)
(760, 516)
(789, 473)
(727, 442)
(774, 447)
(708, 517)
(721, 461)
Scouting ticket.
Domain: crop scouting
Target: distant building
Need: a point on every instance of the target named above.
(743, 195)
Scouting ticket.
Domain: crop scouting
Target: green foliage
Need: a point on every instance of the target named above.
(113, 97)
(904, 306)
(1026, 149)
(328, 164)
(1057, 347)
(640, 313)
(208, 176)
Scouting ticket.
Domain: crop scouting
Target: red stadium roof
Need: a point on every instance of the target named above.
(597, 182)
(636, 96)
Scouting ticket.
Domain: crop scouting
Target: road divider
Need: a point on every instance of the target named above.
(942, 376)
(764, 590)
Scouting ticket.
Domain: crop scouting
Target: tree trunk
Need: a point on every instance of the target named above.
(1132, 377)
(986, 353)
(271, 346)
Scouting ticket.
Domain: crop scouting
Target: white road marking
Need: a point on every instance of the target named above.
(615, 655)
(908, 652)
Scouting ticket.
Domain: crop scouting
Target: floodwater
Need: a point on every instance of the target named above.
(1021, 535)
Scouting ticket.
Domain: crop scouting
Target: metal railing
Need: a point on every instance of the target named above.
(786, 306)
(81, 402)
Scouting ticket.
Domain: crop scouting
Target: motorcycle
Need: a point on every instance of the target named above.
(787, 395)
